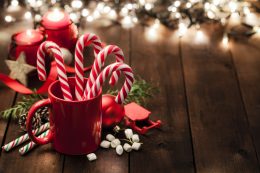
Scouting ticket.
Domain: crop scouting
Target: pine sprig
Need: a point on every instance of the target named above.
(21, 107)
(140, 92)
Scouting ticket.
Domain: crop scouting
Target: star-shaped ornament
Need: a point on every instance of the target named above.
(19, 68)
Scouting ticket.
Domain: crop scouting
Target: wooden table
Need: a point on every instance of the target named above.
(209, 103)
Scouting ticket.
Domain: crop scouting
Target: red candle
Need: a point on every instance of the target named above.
(60, 29)
(28, 42)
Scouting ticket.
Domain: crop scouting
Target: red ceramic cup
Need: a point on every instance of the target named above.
(75, 126)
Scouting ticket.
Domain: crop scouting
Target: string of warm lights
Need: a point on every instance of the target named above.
(175, 14)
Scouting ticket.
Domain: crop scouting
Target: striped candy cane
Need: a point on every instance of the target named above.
(25, 137)
(50, 47)
(99, 62)
(31, 145)
(122, 94)
(82, 42)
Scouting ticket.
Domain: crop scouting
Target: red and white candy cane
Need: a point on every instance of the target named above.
(99, 63)
(50, 47)
(82, 42)
(122, 94)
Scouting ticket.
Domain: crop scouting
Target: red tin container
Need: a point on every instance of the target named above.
(75, 125)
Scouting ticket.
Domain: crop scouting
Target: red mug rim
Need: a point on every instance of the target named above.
(69, 101)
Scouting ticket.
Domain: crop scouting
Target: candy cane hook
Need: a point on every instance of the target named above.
(48, 47)
(99, 63)
(122, 94)
(82, 42)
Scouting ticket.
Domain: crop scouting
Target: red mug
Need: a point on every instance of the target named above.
(75, 126)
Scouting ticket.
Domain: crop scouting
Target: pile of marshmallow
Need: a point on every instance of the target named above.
(132, 143)
(113, 142)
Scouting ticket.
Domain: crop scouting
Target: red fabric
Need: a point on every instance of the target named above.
(20, 88)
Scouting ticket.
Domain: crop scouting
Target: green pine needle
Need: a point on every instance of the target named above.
(140, 92)
(21, 107)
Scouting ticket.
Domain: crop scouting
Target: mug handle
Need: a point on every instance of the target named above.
(31, 113)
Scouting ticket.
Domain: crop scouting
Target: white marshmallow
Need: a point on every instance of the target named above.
(135, 138)
(110, 137)
(105, 144)
(92, 156)
(115, 143)
(128, 133)
(127, 147)
(136, 146)
(119, 150)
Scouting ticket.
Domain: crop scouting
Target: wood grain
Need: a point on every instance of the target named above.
(221, 138)
(7, 96)
(157, 60)
(40, 159)
(247, 62)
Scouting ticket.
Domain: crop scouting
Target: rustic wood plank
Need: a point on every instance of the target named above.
(7, 96)
(246, 59)
(157, 59)
(42, 159)
(222, 142)
(107, 161)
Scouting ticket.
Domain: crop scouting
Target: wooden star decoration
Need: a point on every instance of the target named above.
(19, 69)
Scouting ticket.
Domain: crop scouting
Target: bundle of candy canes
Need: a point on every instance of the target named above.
(96, 77)
(94, 83)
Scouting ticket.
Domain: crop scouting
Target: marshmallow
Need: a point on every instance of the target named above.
(110, 137)
(128, 133)
(136, 146)
(105, 144)
(135, 138)
(119, 150)
(115, 143)
(127, 147)
(92, 156)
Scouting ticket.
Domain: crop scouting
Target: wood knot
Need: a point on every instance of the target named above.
(161, 145)
(242, 153)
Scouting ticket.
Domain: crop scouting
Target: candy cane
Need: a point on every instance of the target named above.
(31, 145)
(82, 42)
(99, 62)
(50, 47)
(122, 94)
(24, 138)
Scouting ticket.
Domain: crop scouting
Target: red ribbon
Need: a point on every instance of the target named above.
(20, 88)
